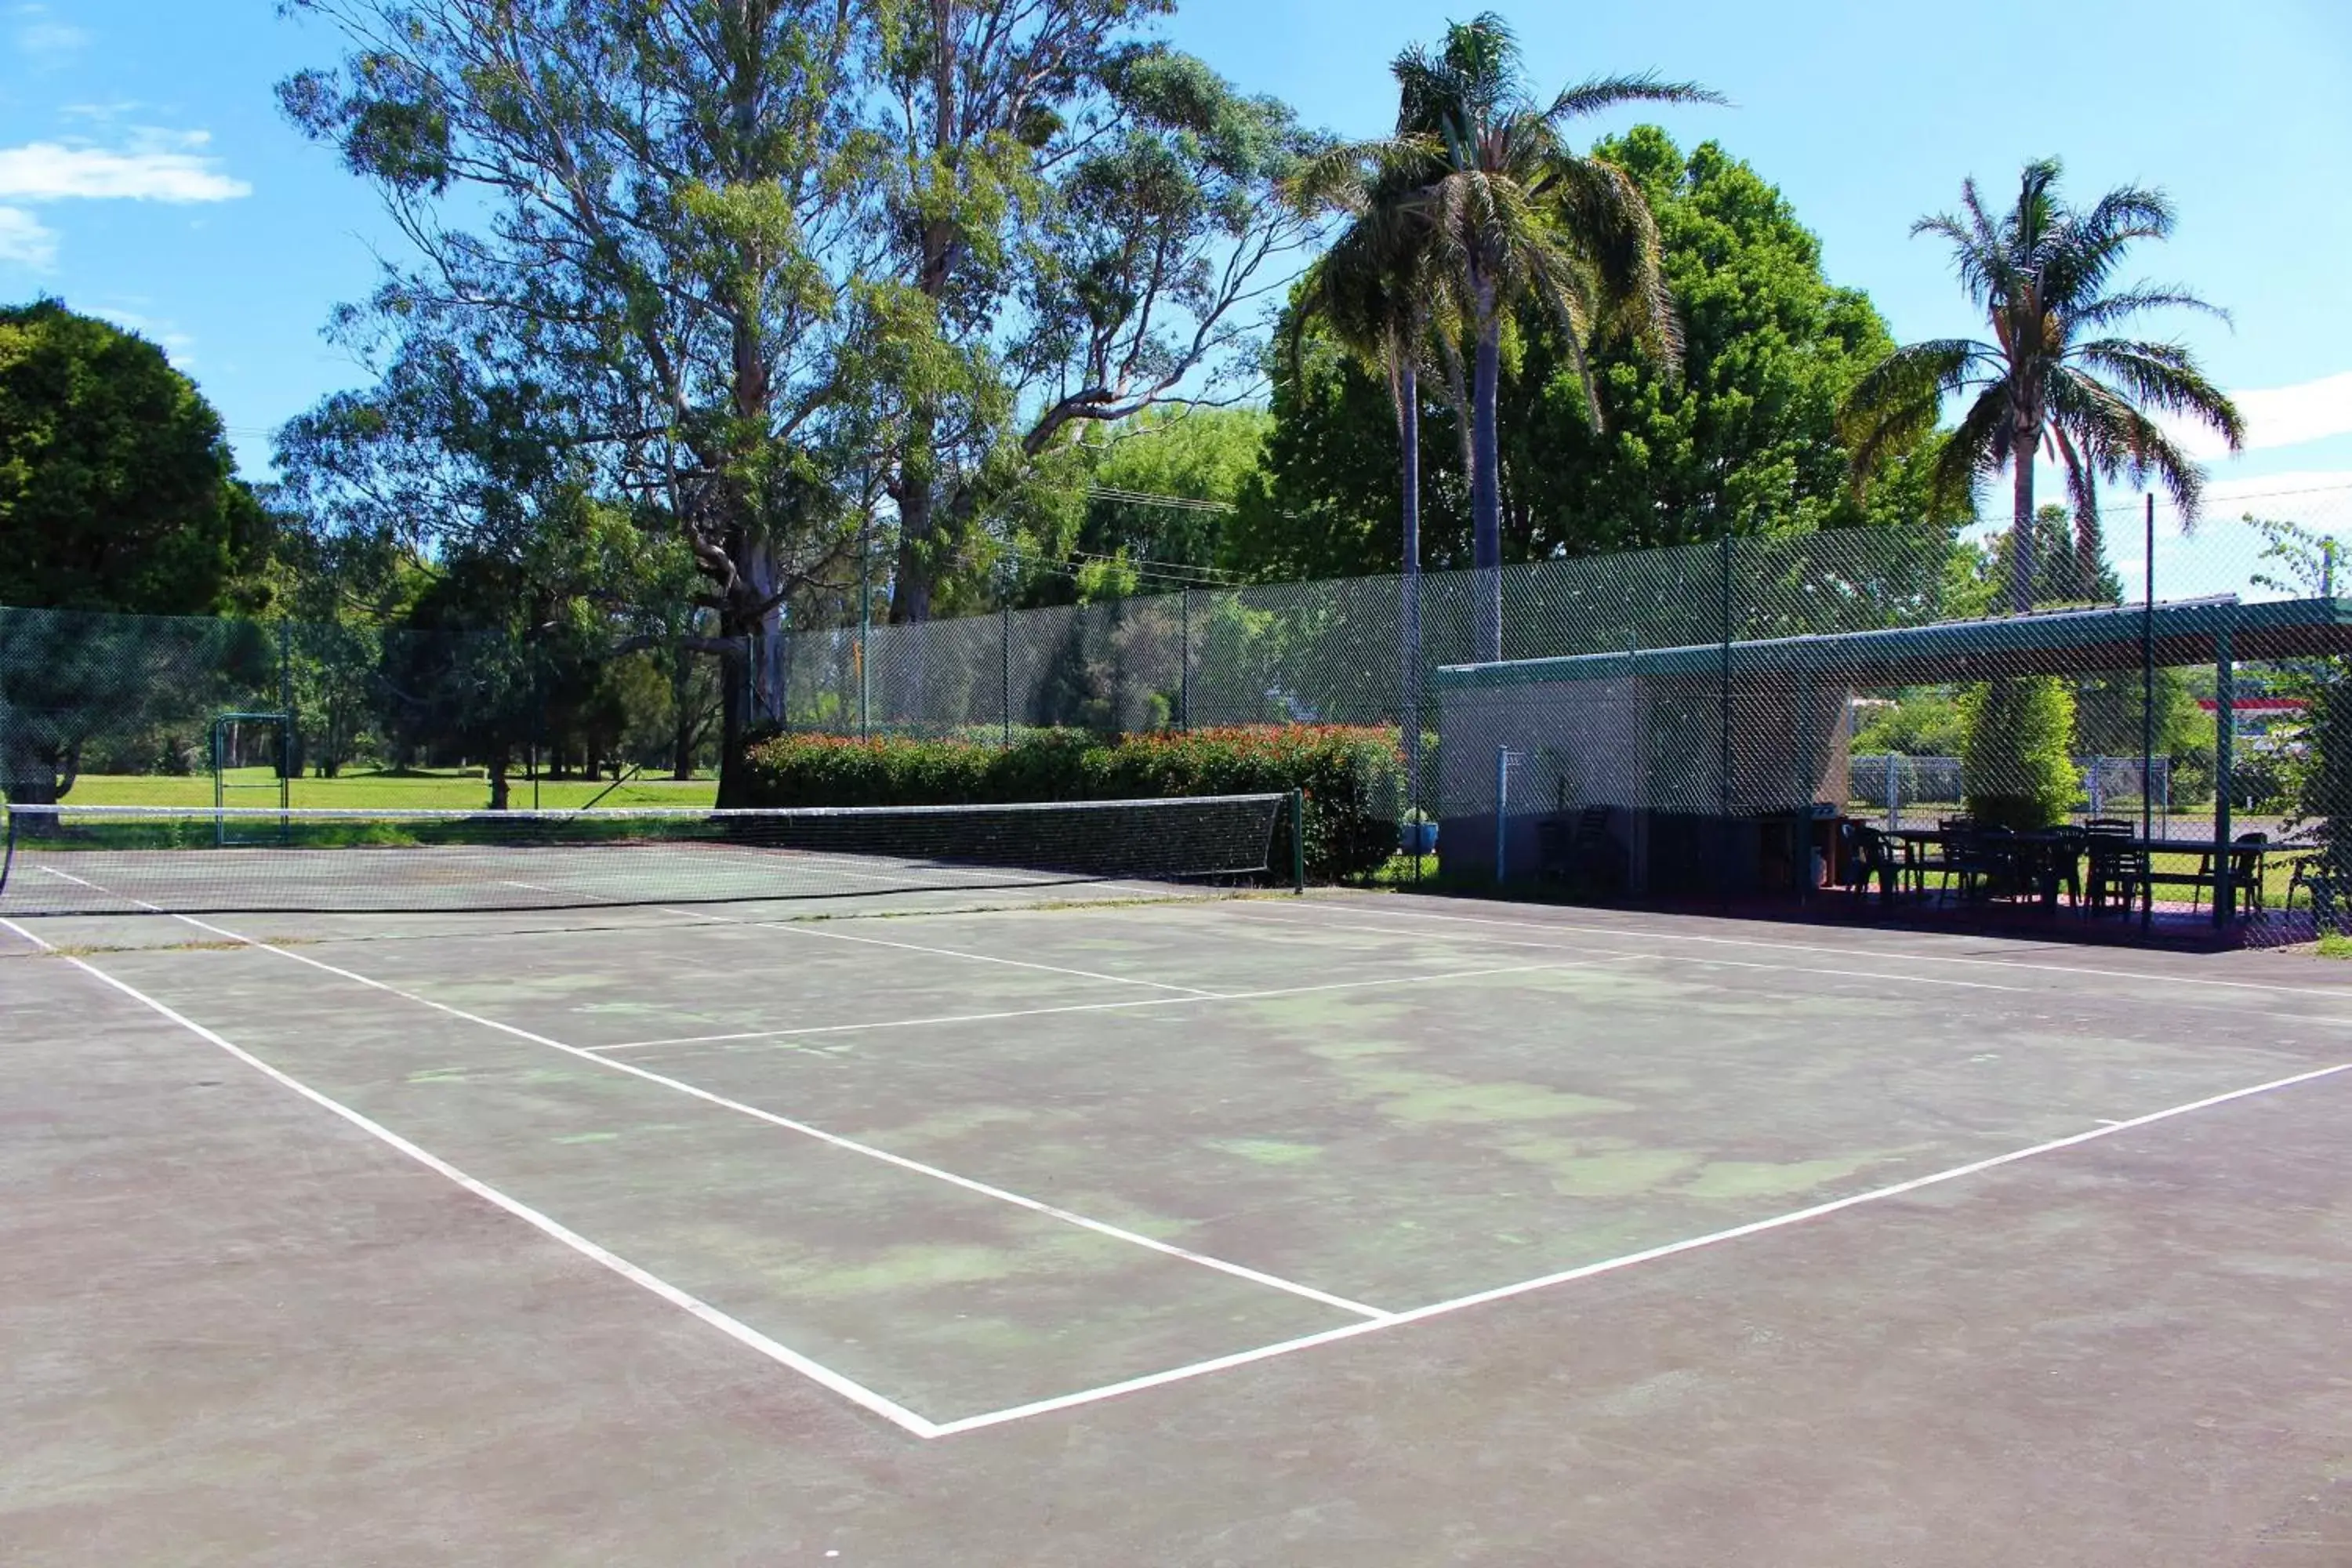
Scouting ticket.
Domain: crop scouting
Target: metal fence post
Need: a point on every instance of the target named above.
(1299, 841)
(1723, 695)
(2225, 727)
(1894, 792)
(1502, 812)
(2148, 684)
(1005, 669)
(864, 621)
(286, 767)
(1184, 659)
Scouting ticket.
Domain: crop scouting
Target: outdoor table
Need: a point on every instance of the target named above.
(2212, 851)
(2050, 873)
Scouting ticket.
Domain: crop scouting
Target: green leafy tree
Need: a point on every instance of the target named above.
(2053, 376)
(2313, 756)
(1078, 221)
(641, 208)
(1515, 214)
(1924, 722)
(2015, 754)
(73, 683)
(1326, 499)
(1746, 438)
(118, 489)
(1163, 486)
(1741, 437)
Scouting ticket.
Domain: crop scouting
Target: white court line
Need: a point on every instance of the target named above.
(850, 1145)
(2332, 994)
(1627, 1261)
(1111, 1006)
(804, 928)
(743, 1333)
(1660, 957)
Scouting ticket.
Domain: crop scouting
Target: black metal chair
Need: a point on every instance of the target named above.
(1867, 855)
(2060, 853)
(1984, 859)
(2310, 875)
(1939, 861)
(2117, 871)
(2246, 855)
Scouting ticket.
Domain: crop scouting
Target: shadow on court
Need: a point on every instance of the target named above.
(1351, 1230)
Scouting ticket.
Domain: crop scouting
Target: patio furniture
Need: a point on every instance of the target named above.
(1866, 855)
(1984, 859)
(2057, 853)
(2245, 872)
(2309, 873)
(2118, 869)
(1936, 856)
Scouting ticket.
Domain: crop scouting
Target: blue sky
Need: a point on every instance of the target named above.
(145, 172)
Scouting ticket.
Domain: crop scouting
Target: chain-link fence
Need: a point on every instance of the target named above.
(1859, 715)
(85, 696)
(1715, 718)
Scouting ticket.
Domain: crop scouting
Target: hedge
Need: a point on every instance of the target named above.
(1349, 775)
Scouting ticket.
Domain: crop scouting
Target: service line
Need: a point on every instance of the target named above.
(1128, 1005)
(2104, 1129)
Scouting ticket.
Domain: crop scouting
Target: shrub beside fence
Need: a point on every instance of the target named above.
(1349, 775)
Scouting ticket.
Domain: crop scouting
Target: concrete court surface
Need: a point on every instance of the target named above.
(1351, 1230)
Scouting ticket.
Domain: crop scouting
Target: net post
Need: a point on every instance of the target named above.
(1299, 841)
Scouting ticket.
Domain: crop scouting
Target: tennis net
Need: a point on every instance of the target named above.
(86, 860)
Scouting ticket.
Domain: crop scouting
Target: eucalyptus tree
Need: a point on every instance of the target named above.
(647, 211)
(1081, 222)
(2053, 379)
(1516, 212)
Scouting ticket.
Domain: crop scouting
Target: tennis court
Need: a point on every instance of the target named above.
(1072, 1219)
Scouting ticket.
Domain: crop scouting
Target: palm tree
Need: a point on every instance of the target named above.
(2052, 379)
(1513, 211)
(1375, 292)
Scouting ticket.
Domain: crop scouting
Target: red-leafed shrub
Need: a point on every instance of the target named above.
(1348, 773)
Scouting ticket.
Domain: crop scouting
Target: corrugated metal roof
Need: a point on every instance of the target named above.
(2057, 642)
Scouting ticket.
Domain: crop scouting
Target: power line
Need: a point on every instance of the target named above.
(1145, 497)
(1207, 574)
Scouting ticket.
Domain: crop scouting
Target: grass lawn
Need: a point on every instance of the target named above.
(444, 790)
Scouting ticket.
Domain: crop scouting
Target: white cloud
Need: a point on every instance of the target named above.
(26, 240)
(2278, 416)
(103, 114)
(43, 37)
(51, 171)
